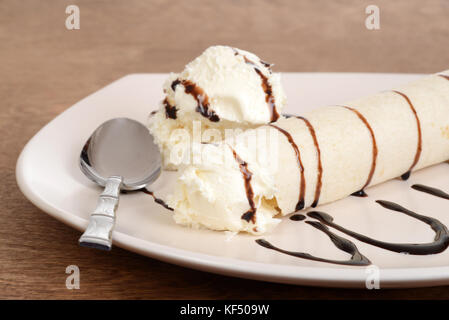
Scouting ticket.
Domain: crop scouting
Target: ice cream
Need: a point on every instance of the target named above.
(324, 156)
(223, 88)
(232, 187)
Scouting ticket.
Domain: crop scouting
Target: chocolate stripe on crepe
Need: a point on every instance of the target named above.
(357, 259)
(170, 111)
(249, 215)
(430, 190)
(406, 175)
(266, 86)
(200, 96)
(361, 192)
(444, 76)
(320, 166)
(302, 185)
(440, 243)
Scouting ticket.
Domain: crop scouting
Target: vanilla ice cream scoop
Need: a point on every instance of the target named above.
(223, 88)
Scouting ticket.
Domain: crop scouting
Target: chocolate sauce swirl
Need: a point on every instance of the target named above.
(357, 259)
(302, 185)
(319, 164)
(440, 243)
(430, 190)
(444, 76)
(203, 106)
(249, 215)
(361, 192)
(406, 175)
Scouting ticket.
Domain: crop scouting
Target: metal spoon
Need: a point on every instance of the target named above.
(119, 155)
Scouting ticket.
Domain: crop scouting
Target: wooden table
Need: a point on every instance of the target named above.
(45, 68)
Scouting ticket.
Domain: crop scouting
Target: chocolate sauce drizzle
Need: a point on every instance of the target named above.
(203, 106)
(430, 190)
(444, 76)
(266, 64)
(170, 111)
(361, 192)
(269, 98)
(302, 185)
(357, 259)
(406, 175)
(266, 86)
(157, 200)
(440, 243)
(249, 215)
(298, 217)
(174, 84)
(320, 166)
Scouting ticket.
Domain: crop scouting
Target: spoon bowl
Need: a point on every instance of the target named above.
(119, 155)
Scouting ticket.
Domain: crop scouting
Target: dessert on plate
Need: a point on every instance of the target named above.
(277, 164)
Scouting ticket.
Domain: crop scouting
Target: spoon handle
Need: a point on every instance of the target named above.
(101, 223)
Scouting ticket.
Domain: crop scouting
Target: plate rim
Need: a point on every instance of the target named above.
(297, 275)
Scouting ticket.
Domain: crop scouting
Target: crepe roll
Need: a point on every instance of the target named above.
(322, 156)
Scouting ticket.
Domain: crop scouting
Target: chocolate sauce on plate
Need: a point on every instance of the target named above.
(440, 243)
(298, 217)
(361, 193)
(357, 259)
(430, 190)
(157, 200)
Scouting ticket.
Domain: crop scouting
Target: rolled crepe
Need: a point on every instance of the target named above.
(323, 156)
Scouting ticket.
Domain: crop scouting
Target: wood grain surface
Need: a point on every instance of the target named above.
(45, 68)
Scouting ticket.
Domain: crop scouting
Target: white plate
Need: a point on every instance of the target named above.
(48, 174)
